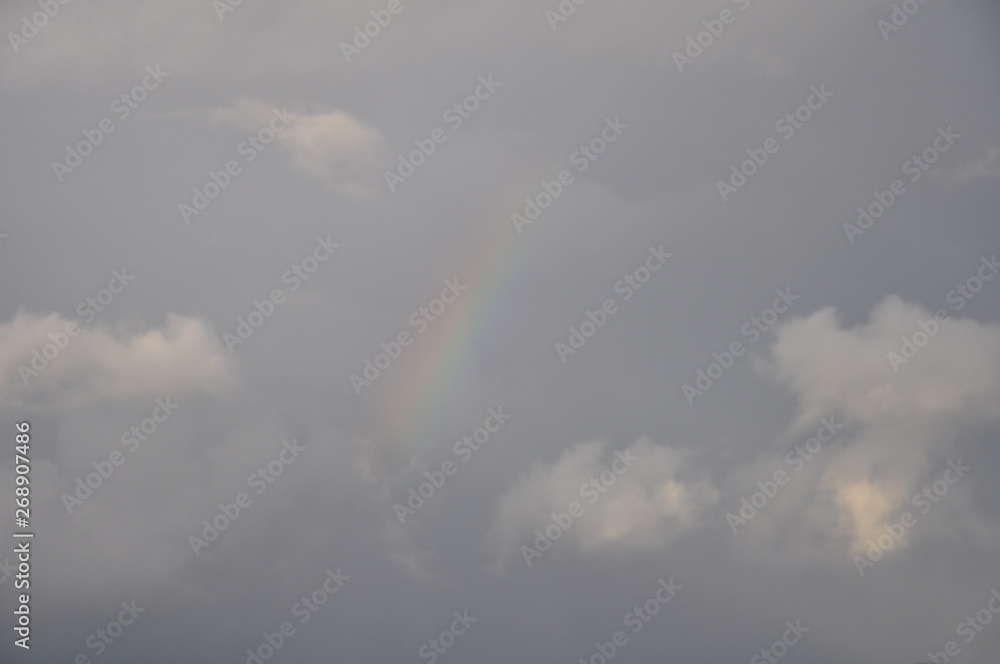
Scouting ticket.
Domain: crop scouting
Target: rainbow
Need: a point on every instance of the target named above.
(440, 365)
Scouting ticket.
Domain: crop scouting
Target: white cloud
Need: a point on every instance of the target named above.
(331, 145)
(832, 368)
(646, 507)
(904, 425)
(98, 364)
(328, 145)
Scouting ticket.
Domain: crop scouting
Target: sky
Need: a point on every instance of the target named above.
(430, 331)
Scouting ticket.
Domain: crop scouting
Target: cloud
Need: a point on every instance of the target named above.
(328, 145)
(331, 146)
(647, 506)
(98, 364)
(831, 368)
(904, 425)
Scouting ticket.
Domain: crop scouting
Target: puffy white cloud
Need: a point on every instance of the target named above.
(648, 505)
(331, 145)
(830, 368)
(328, 145)
(903, 425)
(100, 364)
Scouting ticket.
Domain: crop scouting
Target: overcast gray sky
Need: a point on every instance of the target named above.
(442, 331)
